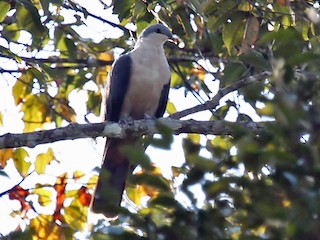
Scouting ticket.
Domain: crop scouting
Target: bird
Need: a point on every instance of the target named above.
(137, 88)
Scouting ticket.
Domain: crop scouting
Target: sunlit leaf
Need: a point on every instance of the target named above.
(21, 88)
(267, 110)
(63, 108)
(92, 182)
(84, 197)
(45, 228)
(171, 108)
(60, 187)
(42, 160)
(135, 194)
(4, 8)
(78, 174)
(36, 111)
(176, 80)
(20, 194)
(5, 155)
(194, 137)
(76, 215)
(102, 74)
(44, 195)
(199, 72)
(21, 161)
(222, 142)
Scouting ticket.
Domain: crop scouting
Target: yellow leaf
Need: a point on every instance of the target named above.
(171, 108)
(71, 193)
(78, 174)
(36, 111)
(267, 110)
(44, 196)
(5, 155)
(1, 119)
(103, 71)
(176, 171)
(62, 107)
(92, 182)
(76, 215)
(19, 158)
(42, 160)
(44, 227)
(135, 194)
(194, 137)
(21, 88)
(199, 72)
(221, 142)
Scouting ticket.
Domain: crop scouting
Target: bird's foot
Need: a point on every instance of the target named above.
(128, 121)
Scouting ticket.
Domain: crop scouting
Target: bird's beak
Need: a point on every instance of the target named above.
(174, 39)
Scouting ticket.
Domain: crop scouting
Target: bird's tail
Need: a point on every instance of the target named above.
(112, 179)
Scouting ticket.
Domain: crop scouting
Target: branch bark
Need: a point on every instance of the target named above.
(121, 130)
(214, 102)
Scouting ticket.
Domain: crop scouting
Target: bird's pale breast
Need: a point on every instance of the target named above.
(150, 72)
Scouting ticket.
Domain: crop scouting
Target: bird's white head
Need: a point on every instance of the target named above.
(157, 33)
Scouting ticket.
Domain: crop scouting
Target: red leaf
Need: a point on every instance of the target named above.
(60, 188)
(84, 196)
(18, 193)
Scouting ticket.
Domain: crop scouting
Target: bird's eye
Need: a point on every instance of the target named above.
(158, 30)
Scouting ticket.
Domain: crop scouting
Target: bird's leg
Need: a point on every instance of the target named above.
(127, 121)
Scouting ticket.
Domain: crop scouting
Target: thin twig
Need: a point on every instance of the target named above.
(214, 102)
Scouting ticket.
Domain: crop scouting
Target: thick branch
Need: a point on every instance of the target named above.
(214, 102)
(117, 130)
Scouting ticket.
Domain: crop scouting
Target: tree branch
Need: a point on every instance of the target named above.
(121, 130)
(214, 102)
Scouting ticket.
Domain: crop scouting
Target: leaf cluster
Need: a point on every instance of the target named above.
(246, 185)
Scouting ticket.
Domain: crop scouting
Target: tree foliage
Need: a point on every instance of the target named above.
(263, 56)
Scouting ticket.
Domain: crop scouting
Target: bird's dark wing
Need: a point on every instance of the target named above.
(119, 82)
(163, 100)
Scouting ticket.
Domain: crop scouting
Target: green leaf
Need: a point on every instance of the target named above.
(29, 18)
(123, 8)
(42, 160)
(231, 73)
(163, 200)
(202, 163)
(11, 32)
(151, 180)
(233, 31)
(94, 102)
(4, 9)
(137, 156)
(20, 161)
(255, 59)
(3, 174)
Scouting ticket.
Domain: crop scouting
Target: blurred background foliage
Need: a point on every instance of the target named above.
(247, 186)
